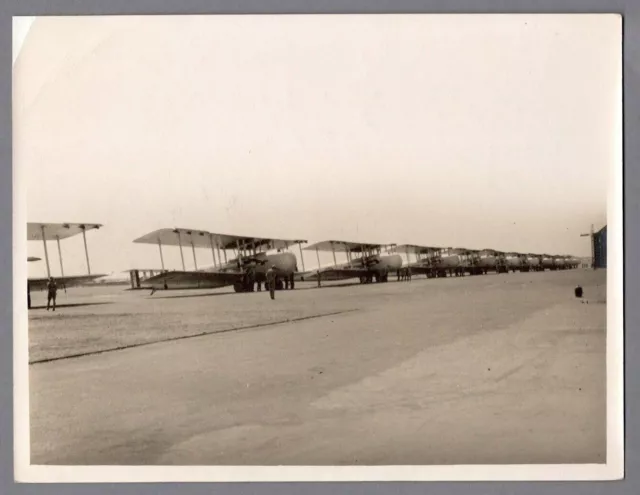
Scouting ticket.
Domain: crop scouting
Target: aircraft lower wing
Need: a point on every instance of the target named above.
(62, 282)
(193, 279)
(329, 274)
(421, 270)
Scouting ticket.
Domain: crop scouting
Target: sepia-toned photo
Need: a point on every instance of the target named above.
(333, 247)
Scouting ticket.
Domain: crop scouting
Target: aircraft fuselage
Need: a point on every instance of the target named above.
(487, 261)
(448, 261)
(547, 263)
(388, 263)
(377, 265)
(533, 261)
(285, 263)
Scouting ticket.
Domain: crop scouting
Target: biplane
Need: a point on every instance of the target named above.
(56, 232)
(534, 262)
(443, 261)
(547, 262)
(559, 263)
(436, 261)
(572, 262)
(238, 261)
(424, 257)
(366, 262)
(487, 260)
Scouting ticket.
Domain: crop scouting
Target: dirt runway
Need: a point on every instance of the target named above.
(477, 370)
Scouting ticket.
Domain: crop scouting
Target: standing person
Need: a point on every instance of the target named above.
(52, 291)
(271, 281)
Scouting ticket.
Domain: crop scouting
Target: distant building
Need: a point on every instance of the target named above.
(600, 248)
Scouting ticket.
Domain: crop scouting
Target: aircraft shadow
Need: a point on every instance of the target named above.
(329, 284)
(310, 287)
(72, 305)
(206, 294)
(213, 294)
(332, 284)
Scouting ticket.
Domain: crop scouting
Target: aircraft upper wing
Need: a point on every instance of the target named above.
(460, 250)
(52, 231)
(412, 248)
(489, 251)
(40, 283)
(205, 239)
(343, 246)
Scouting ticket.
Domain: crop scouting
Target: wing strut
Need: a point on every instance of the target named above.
(301, 257)
(213, 251)
(60, 255)
(333, 250)
(86, 251)
(318, 257)
(46, 253)
(181, 254)
(161, 257)
(193, 250)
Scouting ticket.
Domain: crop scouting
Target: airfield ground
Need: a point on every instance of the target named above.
(477, 370)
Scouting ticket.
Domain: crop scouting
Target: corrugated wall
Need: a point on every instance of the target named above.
(600, 248)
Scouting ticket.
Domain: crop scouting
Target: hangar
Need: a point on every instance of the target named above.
(599, 241)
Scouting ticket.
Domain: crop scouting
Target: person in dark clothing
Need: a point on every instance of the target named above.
(52, 292)
(271, 281)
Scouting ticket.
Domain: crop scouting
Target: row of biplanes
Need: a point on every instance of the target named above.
(242, 261)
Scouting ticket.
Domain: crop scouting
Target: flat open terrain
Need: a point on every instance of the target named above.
(489, 369)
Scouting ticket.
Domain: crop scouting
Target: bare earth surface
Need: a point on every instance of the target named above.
(476, 370)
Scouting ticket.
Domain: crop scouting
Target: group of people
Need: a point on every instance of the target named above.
(404, 274)
(271, 279)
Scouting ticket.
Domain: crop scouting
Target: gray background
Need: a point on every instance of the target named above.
(631, 25)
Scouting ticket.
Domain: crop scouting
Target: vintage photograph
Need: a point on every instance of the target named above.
(319, 242)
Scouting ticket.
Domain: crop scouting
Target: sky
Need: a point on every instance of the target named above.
(464, 131)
